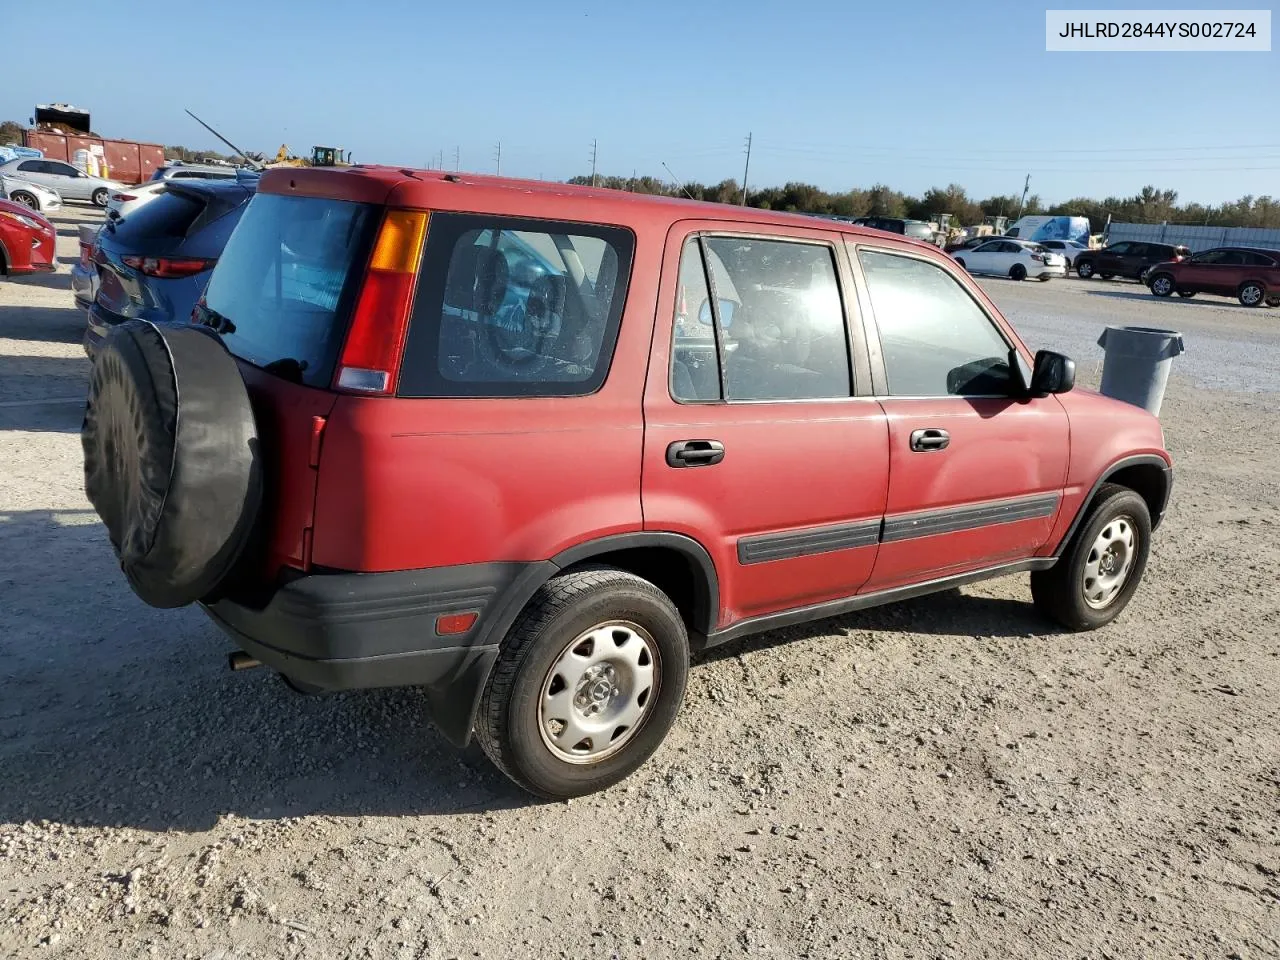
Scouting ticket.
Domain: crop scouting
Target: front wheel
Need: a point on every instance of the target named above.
(1017, 272)
(26, 199)
(100, 197)
(1251, 294)
(1162, 285)
(1101, 568)
(587, 683)
(1084, 270)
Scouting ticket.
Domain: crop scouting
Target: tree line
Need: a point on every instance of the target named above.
(1150, 205)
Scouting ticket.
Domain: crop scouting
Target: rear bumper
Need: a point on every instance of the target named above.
(345, 631)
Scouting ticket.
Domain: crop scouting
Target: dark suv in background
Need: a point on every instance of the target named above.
(1250, 275)
(1128, 258)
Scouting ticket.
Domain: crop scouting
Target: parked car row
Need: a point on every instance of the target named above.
(70, 182)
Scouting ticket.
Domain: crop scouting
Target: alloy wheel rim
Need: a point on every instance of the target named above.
(599, 692)
(1251, 295)
(1110, 561)
(1162, 285)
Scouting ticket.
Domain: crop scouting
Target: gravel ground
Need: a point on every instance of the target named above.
(948, 777)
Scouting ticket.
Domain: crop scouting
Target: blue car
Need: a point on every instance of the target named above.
(154, 264)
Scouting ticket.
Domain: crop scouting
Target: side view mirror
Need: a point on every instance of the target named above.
(1053, 373)
(726, 313)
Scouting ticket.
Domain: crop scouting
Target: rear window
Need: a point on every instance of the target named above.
(284, 286)
(168, 215)
(920, 231)
(509, 307)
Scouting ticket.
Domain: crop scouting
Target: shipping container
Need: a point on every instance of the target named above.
(127, 160)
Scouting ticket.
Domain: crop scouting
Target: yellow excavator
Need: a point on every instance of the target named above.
(320, 157)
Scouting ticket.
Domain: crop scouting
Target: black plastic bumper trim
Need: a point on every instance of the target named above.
(955, 519)
(787, 546)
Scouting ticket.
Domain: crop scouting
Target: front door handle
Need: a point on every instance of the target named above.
(694, 453)
(923, 441)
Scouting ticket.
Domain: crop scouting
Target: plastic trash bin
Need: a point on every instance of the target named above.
(1136, 366)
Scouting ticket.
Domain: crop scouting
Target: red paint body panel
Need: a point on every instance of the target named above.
(284, 412)
(26, 249)
(1103, 431)
(787, 466)
(415, 483)
(999, 450)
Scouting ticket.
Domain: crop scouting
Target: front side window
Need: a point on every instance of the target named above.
(935, 339)
(1120, 248)
(781, 332)
(510, 307)
(1210, 257)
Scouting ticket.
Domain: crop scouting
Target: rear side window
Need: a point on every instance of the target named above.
(777, 331)
(284, 286)
(168, 215)
(509, 308)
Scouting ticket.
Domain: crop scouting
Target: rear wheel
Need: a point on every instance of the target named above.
(1162, 284)
(1017, 272)
(100, 197)
(26, 199)
(1103, 564)
(1084, 270)
(587, 683)
(1251, 294)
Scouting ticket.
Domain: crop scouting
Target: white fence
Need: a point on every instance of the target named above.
(1197, 238)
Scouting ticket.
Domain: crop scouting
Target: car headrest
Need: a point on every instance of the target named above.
(546, 300)
(477, 280)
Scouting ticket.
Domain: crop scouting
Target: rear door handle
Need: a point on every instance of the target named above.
(923, 441)
(694, 453)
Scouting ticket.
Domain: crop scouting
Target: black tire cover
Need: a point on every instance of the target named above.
(172, 461)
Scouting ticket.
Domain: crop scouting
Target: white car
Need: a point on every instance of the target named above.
(125, 200)
(34, 195)
(1015, 259)
(1068, 248)
(71, 184)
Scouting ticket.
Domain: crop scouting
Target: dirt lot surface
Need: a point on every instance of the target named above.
(948, 777)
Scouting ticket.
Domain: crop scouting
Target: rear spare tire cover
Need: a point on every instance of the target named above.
(172, 462)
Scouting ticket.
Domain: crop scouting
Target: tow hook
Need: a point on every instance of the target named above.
(242, 661)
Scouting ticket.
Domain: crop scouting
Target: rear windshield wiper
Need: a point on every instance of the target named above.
(287, 368)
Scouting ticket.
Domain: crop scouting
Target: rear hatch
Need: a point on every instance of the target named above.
(281, 298)
(154, 263)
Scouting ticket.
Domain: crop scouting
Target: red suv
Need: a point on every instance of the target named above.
(527, 445)
(1252, 276)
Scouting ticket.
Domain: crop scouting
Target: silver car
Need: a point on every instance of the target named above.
(29, 193)
(71, 184)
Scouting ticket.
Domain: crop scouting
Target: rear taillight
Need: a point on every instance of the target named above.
(370, 361)
(167, 268)
(86, 255)
(123, 197)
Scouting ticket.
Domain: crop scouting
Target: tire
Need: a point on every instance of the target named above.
(100, 197)
(1273, 300)
(1061, 591)
(1084, 270)
(1142, 275)
(171, 459)
(572, 613)
(1251, 294)
(1106, 276)
(1161, 285)
(26, 199)
(1018, 272)
(1186, 294)
(1044, 278)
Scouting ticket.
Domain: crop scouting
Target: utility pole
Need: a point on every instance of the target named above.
(594, 146)
(745, 170)
(1021, 203)
(498, 156)
(457, 158)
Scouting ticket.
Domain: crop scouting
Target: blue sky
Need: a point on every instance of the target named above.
(911, 94)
